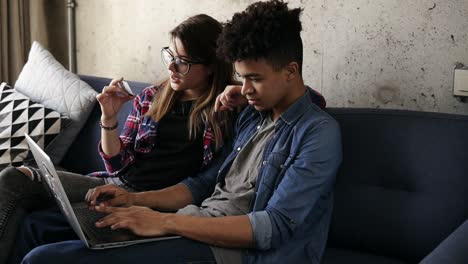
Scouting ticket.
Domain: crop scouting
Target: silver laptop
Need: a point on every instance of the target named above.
(81, 218)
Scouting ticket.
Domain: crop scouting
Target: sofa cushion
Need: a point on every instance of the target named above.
(46, 81)
(454, 249)
(340, 256)
(20, 115)
(403, 184)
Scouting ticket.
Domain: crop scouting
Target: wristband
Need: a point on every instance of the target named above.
(108, 128)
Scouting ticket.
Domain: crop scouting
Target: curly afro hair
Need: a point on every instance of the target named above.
(265, 30)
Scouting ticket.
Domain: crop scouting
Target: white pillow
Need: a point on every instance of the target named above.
(19, 115)
(46, 81)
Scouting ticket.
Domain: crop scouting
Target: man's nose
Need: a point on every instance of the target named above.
(246, 87)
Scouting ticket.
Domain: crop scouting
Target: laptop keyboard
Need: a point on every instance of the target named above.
(88, 218)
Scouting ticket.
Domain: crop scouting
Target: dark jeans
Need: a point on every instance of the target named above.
(49, 227)
(39, 228)
(19, 195)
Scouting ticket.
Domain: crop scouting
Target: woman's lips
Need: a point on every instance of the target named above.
(175, 79)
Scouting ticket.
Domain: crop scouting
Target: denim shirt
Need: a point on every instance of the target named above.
(291, 212)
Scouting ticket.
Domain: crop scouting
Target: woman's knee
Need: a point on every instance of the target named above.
(13, 179)
(15, 185)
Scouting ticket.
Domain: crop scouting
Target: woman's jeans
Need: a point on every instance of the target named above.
(20, 195)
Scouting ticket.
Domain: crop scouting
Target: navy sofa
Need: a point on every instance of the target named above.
(401, 191)
(402, 188)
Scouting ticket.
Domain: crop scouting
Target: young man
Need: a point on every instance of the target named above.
(269, 200)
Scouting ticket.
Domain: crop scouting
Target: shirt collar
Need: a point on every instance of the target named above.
(294, 111)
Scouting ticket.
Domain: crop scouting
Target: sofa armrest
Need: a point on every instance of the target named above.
(454, 249)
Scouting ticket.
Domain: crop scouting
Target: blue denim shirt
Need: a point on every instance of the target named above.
(293, 203)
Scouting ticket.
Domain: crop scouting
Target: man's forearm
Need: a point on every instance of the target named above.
(228, 231)
(168, 199)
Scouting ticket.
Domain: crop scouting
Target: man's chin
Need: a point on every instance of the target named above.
(259, 108)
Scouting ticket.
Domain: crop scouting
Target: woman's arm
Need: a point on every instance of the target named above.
(230, 99)
(111, 101)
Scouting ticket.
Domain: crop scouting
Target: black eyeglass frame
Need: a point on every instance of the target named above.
(178, 60)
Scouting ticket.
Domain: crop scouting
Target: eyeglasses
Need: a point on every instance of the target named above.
(181, 65)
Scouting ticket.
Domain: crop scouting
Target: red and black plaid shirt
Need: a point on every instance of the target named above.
(139, 135)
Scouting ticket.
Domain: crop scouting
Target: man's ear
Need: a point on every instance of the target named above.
(210, 70)
(292, 70)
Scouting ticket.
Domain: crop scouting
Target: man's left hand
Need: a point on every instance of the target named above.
(142, 221)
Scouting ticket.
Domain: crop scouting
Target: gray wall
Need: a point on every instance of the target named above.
(362, 53)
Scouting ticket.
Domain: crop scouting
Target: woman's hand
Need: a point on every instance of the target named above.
(109, 195)
(142, 221)
(230, 98)
(111, 100)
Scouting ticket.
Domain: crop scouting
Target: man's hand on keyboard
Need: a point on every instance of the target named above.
(109, 195)
(142, 221)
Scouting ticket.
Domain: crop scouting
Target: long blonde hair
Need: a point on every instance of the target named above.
(198, 35)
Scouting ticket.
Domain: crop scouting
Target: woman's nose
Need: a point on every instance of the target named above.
(171, 66)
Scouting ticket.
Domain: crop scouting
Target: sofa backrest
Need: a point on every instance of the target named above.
(403, 184)
(83, 156)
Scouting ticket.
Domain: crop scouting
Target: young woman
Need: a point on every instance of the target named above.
(171, 133)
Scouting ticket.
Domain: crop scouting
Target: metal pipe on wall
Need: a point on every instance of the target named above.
(71, 36)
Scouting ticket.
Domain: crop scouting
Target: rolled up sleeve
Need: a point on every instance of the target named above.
(262, 230)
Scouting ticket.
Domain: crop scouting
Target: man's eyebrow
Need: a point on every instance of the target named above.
(249, 75)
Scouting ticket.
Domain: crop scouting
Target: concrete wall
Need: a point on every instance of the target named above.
(361, 53)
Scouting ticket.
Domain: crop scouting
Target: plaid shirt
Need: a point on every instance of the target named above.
(139, 135)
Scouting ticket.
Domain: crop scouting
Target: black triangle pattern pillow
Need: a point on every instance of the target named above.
(19, 115)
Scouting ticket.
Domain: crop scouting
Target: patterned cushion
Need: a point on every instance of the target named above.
(19, 115)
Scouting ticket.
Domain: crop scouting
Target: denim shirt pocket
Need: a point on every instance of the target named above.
(275, 166)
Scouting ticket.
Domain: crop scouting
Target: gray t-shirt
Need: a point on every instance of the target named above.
(234, 195)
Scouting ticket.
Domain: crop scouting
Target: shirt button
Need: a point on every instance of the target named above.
(264, 162)
(258, 127)
(239, 148)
